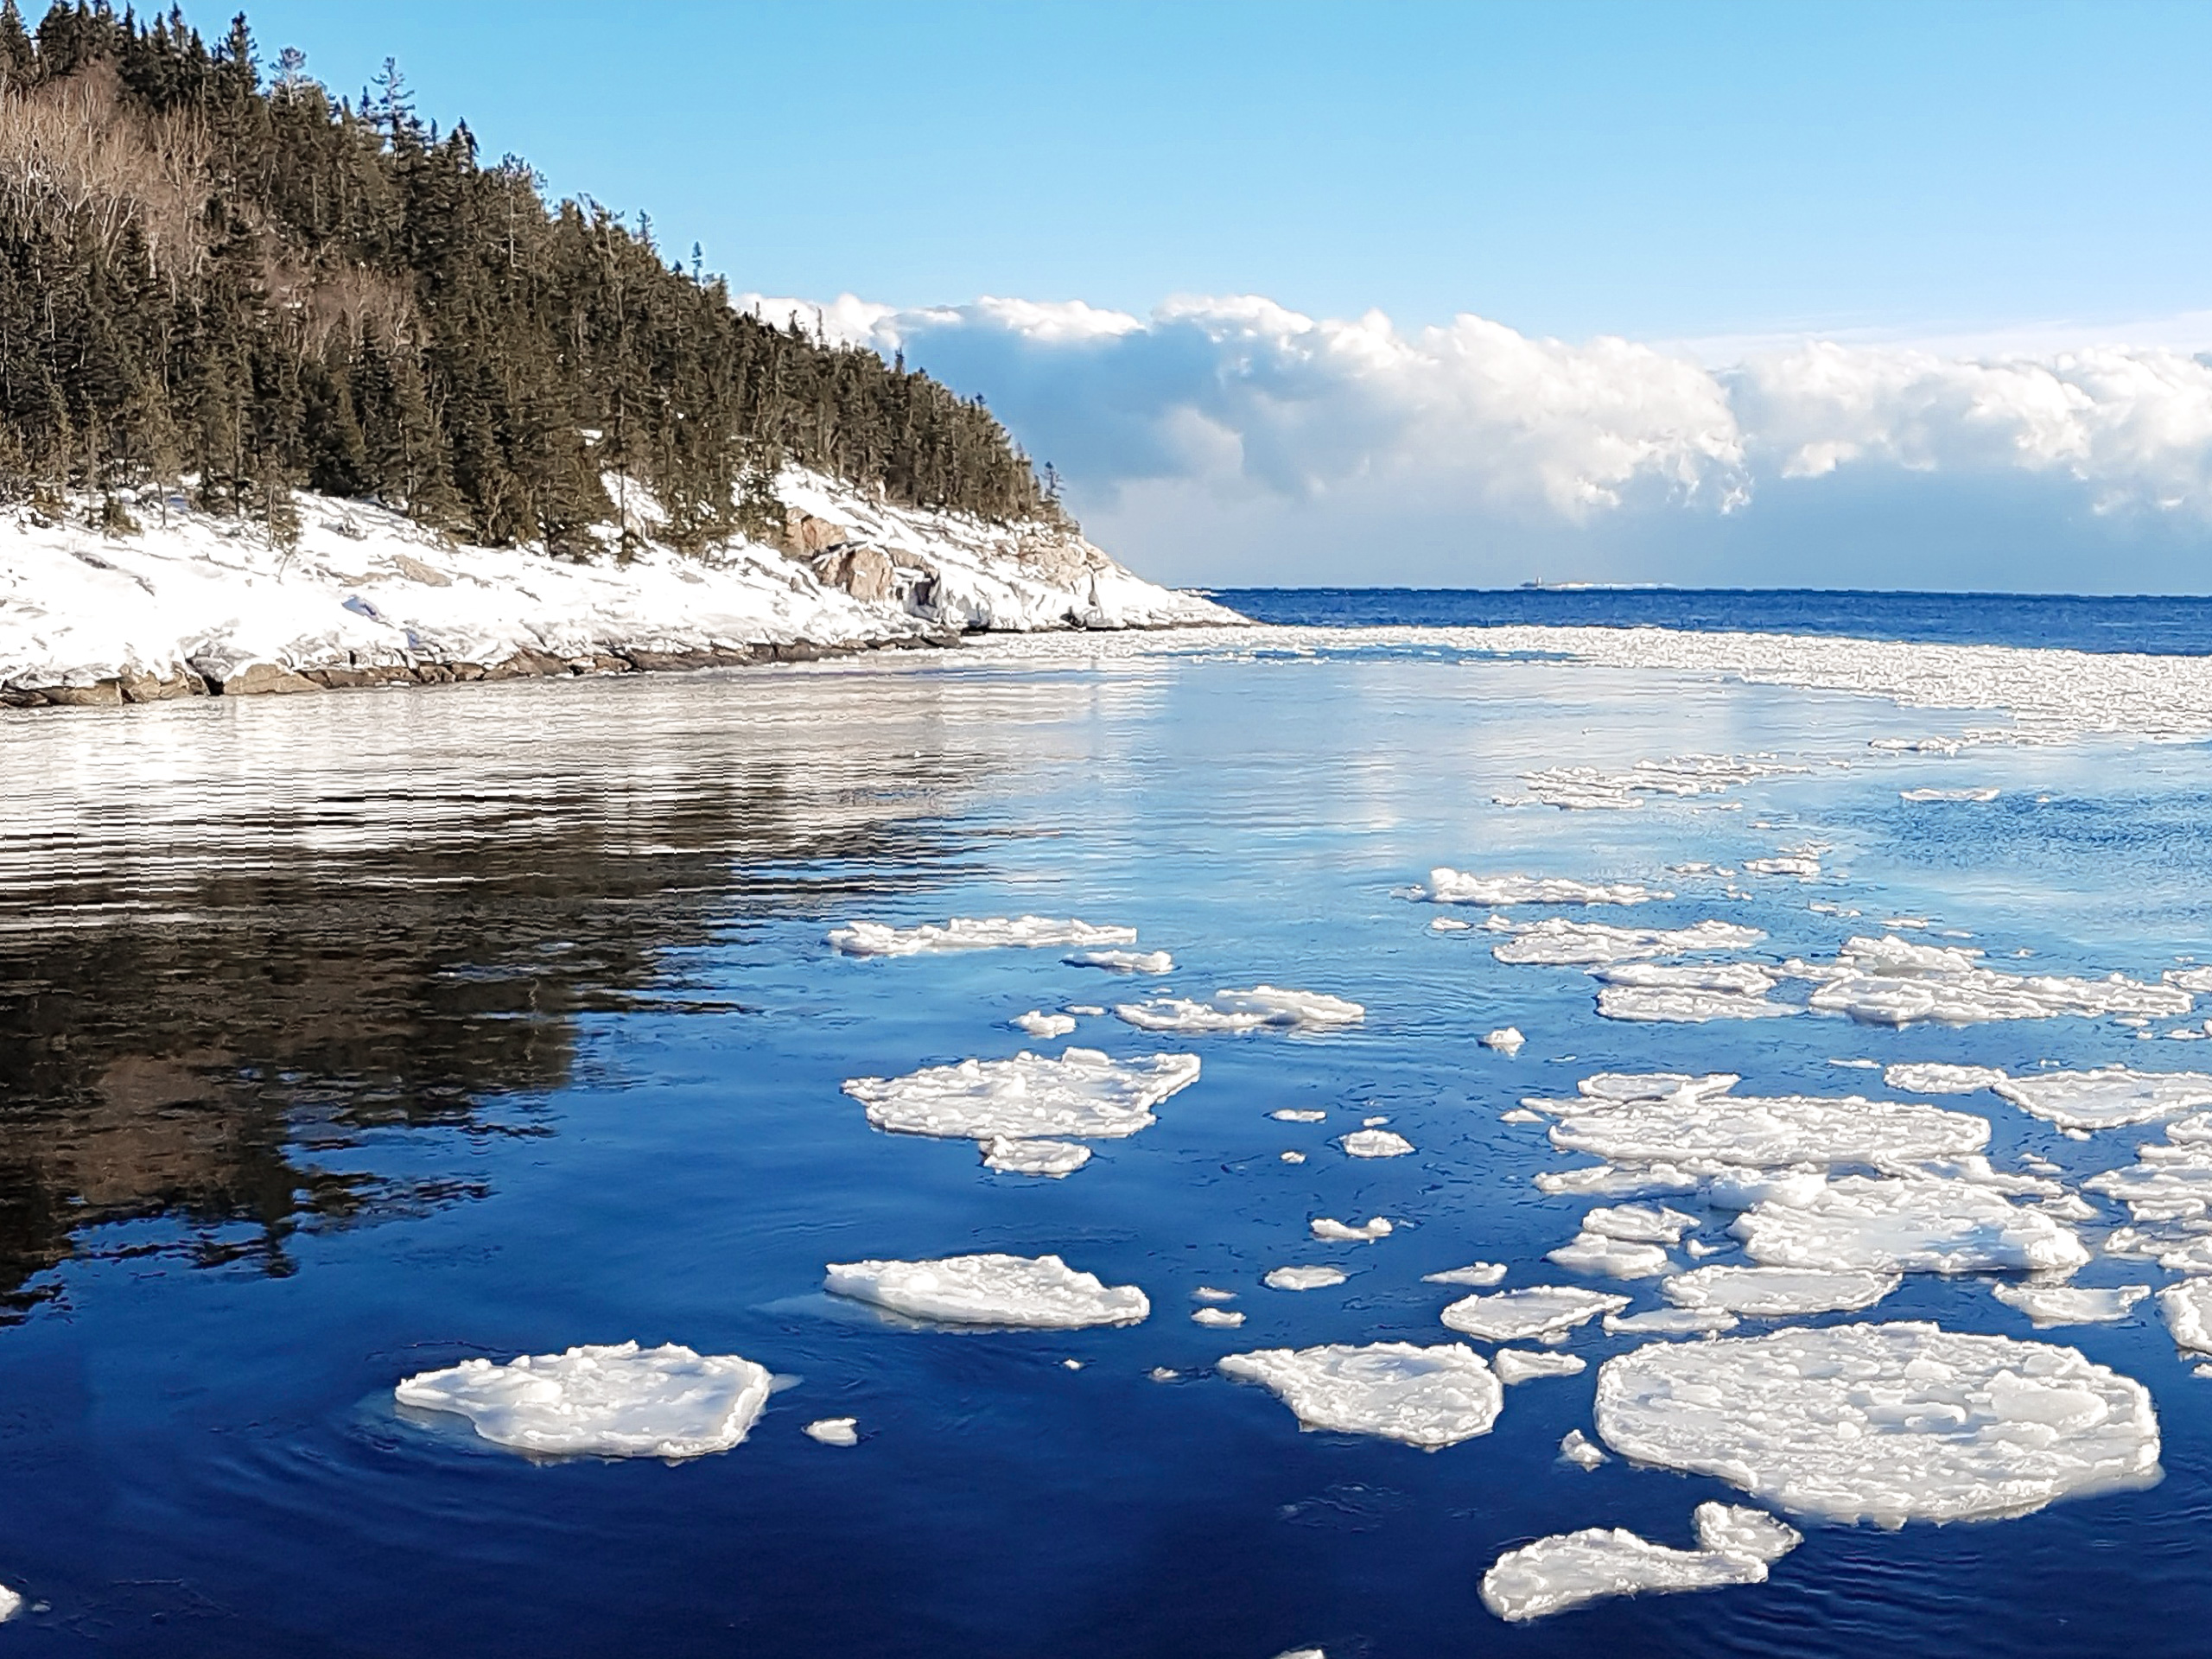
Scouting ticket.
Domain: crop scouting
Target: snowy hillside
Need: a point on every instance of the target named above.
(205, 604)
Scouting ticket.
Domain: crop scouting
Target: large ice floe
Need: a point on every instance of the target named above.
(1081, 1096)
(2050, 1305)
(1261, 1008)
(2187, 1309)
(1892, 982)
(1735, 1546)
(1883, 1423)
(1559, 942)
(1617, 1258)
(2168, 1192)
(618, 1401)
(1687, 993)
(1779, 1292)
(1938, 1077)
(1446, 885)
(1042, 1292)
(1539, 1312)
(971, 933)
(1908, 1224)
(1426, 1396)
(2110, 1097)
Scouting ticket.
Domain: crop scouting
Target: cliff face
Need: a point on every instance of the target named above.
(191, 604)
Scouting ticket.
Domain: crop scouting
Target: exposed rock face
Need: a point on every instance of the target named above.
(142, 685)
(864, 572)
(806, 535)
(254, 680)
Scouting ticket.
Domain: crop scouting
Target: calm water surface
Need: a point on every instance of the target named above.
(346, 1038)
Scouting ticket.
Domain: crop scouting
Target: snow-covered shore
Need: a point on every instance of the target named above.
(192, 604)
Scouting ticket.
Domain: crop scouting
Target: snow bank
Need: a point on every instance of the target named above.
(1779, 1292)
(612, 1401)
(1263, 1006)
(1523, 1315)
(1429, 1397)
(1886, 1423)
(1450, 886)
(1921, 1224)
(1081, 1096)
(1735, 1546)
(971, 933)
(1042, 1292)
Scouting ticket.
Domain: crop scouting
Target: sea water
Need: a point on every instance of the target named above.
(349, 1038)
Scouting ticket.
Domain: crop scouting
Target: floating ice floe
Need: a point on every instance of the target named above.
(1123, 961)
(1913, 1224)
(1450, 886)
(1299, 1115)
(1327, 1227)
(1577, 1448)
(1318, 1278)
(1506, 1039)
(1221, 1317)
(1262, 1007)
(618, 1401)
(1883, 1423)
(1082, 1095)
(2167, 1191)
(1588, 789)
(1481, 1274)
(1735, 1546)
(1935, 1078)
(1089, 1010)
(1041, 1292)
(1779, 1292)
(2049, 1305)
(2110, 1097)
(1918, 795)
(1376, 1143)
(2189, 979)
(1514, 1366)
(972, 933)
(2187, 1309)
(834, 1431)
(1686, 995)
(1212, 1294)
(1449, 925)
(1671, 1322)
(1556, 941)
(1019, 1155)
(1643, 1223)
(1291, 1157)
(1520, 1315)
(1617, 1258)
(1891, 981)
(1804, 866)
(1038, 1023)
(1426, 1396)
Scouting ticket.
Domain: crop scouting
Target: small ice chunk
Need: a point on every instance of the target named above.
(1557, 943)
(1303, 1278)
(1015, 1156)
(1291, 1157)
(1918, 795)
(1917, 1225)
(1506, 1039)
(1374, 1227)
(618, 1401)
(2189, 979)
(1224, 1317)
(1799, 865)
(2187, 1309)
(1080, 1096)
(1778, 1292)
(2110, 1097)
(1210, 1294)
(834, 1431)
(1373, 1122)
(1299, 1115)
(1523, 1315)
(1038, 1023)
(1617, 1258)
(1482, 1274)
(1886, 1423)
(1262, 1007)
(1577, 1448)
(1123, 961)
(1426, 1396)
(11, 1603)
(1376, 1143)
(1520, 1115)
(1089, 1010)
(1163, 1374)
(1671, 1322)
(1450, 886)
(1735, 1546)
(971, 933)
(1514, 1366)
(1935, 1078)
(1449, 925)
(1042, 1292)
(2050, 1305)
(1643, 1223)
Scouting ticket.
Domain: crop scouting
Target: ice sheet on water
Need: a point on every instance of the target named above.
(1936, 1077)
(1914, 1224)
(2049, 1305)
(1644, 1224)
(1019, 1155)
(834, 1431)
(1666, 1004)
(1804, 866)
(1316, 1278)
(1514, 1366)
(1520, 1315)
(2112, 1097)
(1262, 1006)
(1883, 1423)
(2187, 1309)
(1123, 961)
(1671, 1322)
(1299, 1115)
(1617, 1258)
(1741, 978)
(1450, 886)
(1589, 789)
(1506, 1039)
(1042, 1292)
(1480, 1273)
(1982, 795)
(1779, 1292)
(1892, 982)
(2169, 1188)
(1038, 1023)
(1556, 941)
(618, 1401)
(1701, 1126)
(1082, 1095)
(1376, 1143)
(1426, 1397)
(972, 933)
(2189, 979)
(1327, 1227)
(1735, 1546)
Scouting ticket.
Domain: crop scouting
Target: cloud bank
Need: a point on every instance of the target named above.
(1235, 439)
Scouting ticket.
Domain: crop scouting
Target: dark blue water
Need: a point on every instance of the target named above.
(2167, 626)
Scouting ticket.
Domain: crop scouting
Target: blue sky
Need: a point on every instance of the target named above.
(1714, 182)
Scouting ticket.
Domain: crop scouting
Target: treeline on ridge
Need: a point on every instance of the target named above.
(257, 288)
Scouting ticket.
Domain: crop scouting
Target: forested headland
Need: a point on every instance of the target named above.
(223, 281)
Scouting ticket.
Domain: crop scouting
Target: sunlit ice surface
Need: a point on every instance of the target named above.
(344, 1039)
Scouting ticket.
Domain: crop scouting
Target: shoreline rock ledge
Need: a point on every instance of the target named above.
(191, 604)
